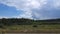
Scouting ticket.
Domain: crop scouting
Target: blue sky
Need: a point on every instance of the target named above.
(8, 11)
(34, 9)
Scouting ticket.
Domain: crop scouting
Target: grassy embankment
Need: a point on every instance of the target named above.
(30, 28)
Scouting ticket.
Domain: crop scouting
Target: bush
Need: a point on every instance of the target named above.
(34, 25)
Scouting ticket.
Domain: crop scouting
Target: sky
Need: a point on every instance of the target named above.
(32, 9)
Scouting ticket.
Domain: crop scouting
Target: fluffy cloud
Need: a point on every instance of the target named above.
(25, 5)
(29, 5)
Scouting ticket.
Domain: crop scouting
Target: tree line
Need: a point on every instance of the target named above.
(23, 21)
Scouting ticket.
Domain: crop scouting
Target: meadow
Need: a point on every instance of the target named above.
(31, 29)
(29, 26)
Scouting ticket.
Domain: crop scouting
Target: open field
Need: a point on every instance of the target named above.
(15, 25)
(31, 29)
(31, 33)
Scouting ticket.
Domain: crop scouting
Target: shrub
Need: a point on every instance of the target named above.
(34, 25)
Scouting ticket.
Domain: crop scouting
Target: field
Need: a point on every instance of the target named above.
(31, 28)
(15, 25)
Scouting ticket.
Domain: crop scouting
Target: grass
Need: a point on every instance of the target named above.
(30, 28)
(20, 27)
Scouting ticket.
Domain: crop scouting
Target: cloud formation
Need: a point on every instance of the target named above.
(37, 9)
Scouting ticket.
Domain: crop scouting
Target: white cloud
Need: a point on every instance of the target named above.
(28, 5)
(25, 5)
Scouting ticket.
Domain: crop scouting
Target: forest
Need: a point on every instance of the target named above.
(23, 21)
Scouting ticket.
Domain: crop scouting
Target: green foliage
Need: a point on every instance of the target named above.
(22, 21)
(29, 24)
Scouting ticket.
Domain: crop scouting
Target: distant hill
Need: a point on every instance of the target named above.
(23, 21)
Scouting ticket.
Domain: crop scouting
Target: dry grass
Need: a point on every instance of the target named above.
(30, 28)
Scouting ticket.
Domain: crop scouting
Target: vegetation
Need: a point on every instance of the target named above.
(29, 25)
(22, 21)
